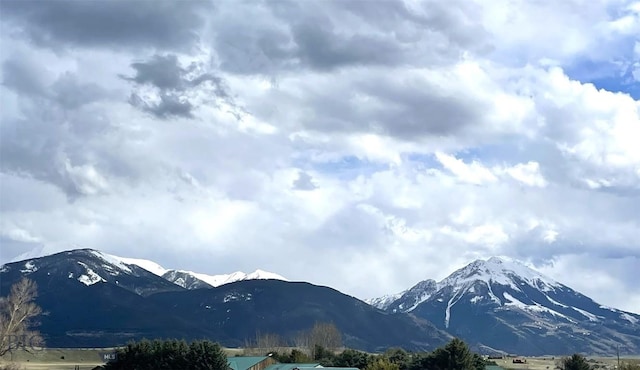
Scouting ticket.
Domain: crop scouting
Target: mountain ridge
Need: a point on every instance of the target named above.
(97, 300)
(502, 303)
(495, 303)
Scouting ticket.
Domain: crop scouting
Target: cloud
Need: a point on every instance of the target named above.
(398, 136)
(165, 25)
(23, 76)
(273, 38)
(176, 90)
(304, 182)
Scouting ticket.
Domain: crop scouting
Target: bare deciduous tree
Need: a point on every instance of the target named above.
(302, 341)
(265, 343)
(325, 335)
(17, 318)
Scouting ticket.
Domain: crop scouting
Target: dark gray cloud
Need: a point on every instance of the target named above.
(26, 77)
(277, 37)
(161, 71)
(161, 24)
(23, 76)
(170, 105)
(320, 47)
(166, 73)
(174, 84)
(405, 105)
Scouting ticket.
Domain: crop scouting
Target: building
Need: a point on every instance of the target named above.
(306, 367)
(268, 363)
(293, 366)
(250, 363)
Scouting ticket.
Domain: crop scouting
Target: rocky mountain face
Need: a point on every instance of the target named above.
(93, 299)
(503, 305)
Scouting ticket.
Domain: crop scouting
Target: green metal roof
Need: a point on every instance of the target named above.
(243, 363)
(305, 367)
(290, 366)
(329, 368)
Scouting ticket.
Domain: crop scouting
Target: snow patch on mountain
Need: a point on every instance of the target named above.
(535, 307)
(385, 301)
(586, 314)
(90, 277)
(113, 260)
(232, 297)
(513, 301)
(150, 266)
(447, 313)
(556, 302)
(29, 267)
(631, 319)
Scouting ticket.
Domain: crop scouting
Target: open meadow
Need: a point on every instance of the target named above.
(68, 359)
(554, 362)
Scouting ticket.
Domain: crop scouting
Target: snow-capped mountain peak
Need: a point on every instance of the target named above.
(502, 295)
(150, 266)
(264, 275)
(500, 270)
(189, 279)
(89, 267)
(194, 280)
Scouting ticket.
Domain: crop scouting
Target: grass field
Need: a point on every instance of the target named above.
(86, 359)
(68, 359)
(551, 363)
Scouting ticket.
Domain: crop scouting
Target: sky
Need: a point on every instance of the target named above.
(364, 145)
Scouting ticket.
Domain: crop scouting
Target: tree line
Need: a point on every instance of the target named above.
(455, 355)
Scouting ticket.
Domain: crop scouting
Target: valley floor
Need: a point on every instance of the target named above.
(551, 363)
(88, 358)
(67, 359)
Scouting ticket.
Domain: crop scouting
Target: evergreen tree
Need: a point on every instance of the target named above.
(299, 357)
(324, 356)
(399, 357)
(382, 364)
(575, 362)
(478, 362)
(205, 355)
(454, 356)
(169, 355)
(352, 358)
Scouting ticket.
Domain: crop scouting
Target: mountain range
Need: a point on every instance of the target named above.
(498, 305)
(94, 299)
